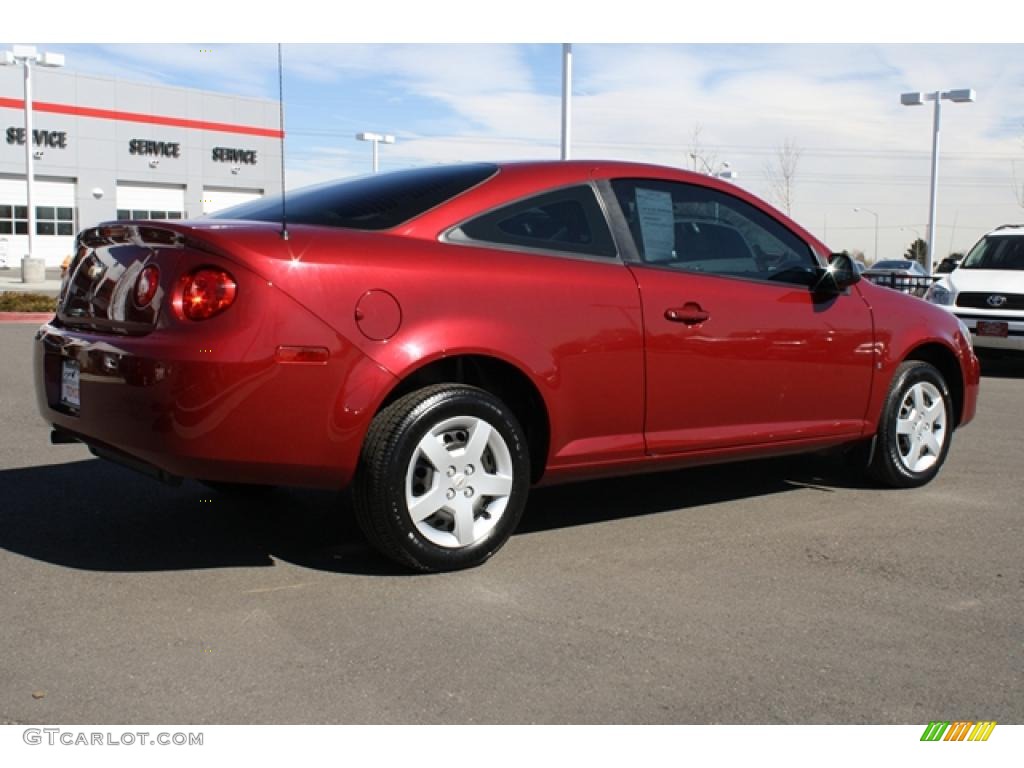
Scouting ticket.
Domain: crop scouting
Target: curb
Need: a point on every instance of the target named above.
(25, 317)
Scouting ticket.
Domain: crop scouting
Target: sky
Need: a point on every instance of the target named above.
(654, 102)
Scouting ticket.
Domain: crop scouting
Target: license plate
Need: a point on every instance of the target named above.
(992, 328)
(70, 393)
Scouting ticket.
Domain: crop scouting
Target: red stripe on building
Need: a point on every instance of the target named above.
(137, 117)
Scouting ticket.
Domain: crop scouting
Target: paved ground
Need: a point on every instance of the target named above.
(771, 592)
(10, 280)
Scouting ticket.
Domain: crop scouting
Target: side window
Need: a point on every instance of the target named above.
(696, 229)
(567, 220)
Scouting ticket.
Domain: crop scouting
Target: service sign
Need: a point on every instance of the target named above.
(154, 148)
(40, 138)
(237, 156)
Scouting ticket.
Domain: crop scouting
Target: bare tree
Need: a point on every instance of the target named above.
(1018, 188)
(702, 160)
(782, 174)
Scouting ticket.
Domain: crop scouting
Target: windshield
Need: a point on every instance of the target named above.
(370, 202)
(996, 253)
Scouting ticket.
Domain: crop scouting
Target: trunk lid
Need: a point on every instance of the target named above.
(98, 291)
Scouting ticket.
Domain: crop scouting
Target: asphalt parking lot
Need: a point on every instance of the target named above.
(782, 591)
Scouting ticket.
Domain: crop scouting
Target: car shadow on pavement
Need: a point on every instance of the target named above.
(97, 516)
(92, 515)
(1005, 366)
(636, 495)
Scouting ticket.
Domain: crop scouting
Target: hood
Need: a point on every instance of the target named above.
(985, 280)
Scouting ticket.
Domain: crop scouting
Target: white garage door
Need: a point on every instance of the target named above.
(149, 201)
(216, 199)
(56, 222)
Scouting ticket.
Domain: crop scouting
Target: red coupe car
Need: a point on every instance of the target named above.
(444, 338)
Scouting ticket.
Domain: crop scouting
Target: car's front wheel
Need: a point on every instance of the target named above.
(443, 478)
(915, 429)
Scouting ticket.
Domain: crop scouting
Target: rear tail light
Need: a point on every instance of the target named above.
(204, 293)
(145, 286)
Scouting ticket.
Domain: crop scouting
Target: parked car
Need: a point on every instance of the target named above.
(948, 264)
(904, 275)
(900, 266)
(987, 290)
(442, 339)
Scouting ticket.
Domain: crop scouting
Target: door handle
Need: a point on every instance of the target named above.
(690, 313)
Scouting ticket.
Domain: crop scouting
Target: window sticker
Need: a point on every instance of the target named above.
(657, 226)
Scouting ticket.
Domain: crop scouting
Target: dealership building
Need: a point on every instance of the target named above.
(109, 149)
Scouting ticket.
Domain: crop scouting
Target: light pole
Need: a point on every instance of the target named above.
(376, 138)
(916, 99)
(915, 230)
(26, 55)
(917, 236)
(566, 98)
(868, 210)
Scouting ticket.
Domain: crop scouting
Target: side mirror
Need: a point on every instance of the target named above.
(839, 275)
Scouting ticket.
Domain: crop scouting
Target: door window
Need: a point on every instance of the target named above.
(697, 229)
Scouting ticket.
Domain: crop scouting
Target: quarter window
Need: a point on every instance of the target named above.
(568, 220)
(697, 229)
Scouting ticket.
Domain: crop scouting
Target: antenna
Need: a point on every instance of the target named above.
(280, 103)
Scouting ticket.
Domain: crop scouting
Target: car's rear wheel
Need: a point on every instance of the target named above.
(443, 478)
(915, 429)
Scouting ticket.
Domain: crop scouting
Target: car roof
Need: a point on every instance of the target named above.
(571, 171)
(1007, 230)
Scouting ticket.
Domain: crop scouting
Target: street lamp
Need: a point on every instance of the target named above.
(916, 99)
(376, 138)
(868, 210)
(26, 55)
(566, 98)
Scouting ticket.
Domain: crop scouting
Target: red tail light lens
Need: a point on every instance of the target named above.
(145, 286)
(205, 293)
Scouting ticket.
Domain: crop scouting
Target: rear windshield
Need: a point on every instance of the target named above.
(369, 202)
(999, 252)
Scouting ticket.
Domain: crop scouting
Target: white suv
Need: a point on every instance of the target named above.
(986, 290)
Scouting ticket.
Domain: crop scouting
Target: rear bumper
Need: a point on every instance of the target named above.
(223, 408)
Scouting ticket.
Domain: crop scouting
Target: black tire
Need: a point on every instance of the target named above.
(893, 463)
(394, 469)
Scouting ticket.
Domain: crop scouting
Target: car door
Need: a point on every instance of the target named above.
(575, 310)
(739, 350)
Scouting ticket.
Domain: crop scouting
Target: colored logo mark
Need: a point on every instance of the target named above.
(958, 730)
